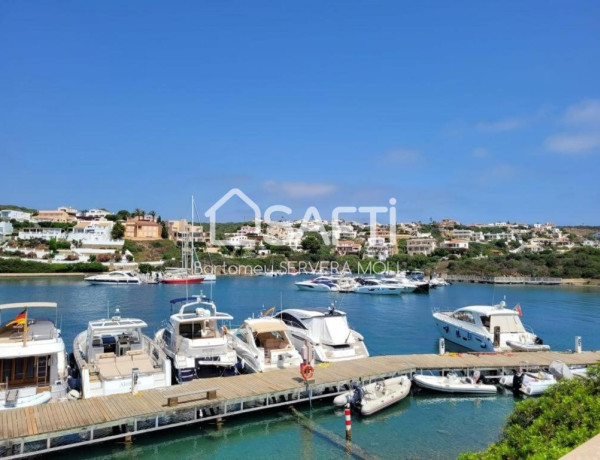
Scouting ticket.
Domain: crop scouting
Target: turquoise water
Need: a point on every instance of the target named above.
(422, 426)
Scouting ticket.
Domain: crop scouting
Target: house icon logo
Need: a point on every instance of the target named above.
(211, 213)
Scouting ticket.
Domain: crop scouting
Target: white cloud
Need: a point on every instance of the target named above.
(300, 189)
(572, 142)
(506, 124)
(584, 113)
(481, 152)
(513, 123)
(402, 156)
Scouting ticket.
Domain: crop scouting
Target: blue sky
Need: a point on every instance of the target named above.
(480, 111)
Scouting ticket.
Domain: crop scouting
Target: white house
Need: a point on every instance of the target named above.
(378, 248)
(42, 233)
(94, 233)
(6, 229)
(456, 245)
(97, 213)
(423, 246)
(19, 216)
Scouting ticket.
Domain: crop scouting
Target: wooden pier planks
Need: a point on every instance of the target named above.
(81, 414)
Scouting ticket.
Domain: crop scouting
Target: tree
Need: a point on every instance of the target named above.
(311, 243)
(118, 231)
(164, 233)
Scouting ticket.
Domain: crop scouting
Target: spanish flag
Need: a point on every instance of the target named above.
(19, 320)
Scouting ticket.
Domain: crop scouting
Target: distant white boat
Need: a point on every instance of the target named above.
(452, 383)
(118, 277)
(377, 287)
(376, 396)
(322, 283)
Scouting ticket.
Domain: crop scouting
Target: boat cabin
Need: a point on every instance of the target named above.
(116, 336)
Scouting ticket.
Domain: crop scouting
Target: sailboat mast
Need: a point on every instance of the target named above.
(192, 240)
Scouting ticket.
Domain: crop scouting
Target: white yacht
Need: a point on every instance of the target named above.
(116, 277)
(113, 356)
(488, 328)
(378, 287)
(327, 331)
(263, 344)
(322, 283)
(33, 367)
(194, 342)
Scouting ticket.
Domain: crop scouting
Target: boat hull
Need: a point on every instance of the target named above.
(183, 281)
(436, 383)
(28, 401)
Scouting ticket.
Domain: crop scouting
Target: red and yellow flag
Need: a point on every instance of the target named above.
(19, 320)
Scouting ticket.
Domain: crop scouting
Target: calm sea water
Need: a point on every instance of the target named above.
(422, 426)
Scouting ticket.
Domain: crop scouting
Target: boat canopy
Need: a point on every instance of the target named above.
(507, 323)
(112, 324)
(266, 326)
(331, 329)
(8, 306)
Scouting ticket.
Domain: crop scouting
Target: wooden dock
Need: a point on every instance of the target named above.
(62, 425)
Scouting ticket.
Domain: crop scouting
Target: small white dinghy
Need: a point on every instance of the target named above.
(27, 401)
(536, 384)
(376, 396)
(452, 383)
(527, 346)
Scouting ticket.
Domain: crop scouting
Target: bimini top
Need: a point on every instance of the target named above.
(261, 325)
(488, 310)
(116, 323)
(7, 306)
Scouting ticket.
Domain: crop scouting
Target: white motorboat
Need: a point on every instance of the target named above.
(113, 356)
(263, 344)
(33, 363)
(194, 342)
(322, 283)
(376, 396)
(326, 331)
(452, 383)
(488, 328)
(119, 277)
(26, 401)
(377, 287)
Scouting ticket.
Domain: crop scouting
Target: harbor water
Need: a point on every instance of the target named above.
(423, 425)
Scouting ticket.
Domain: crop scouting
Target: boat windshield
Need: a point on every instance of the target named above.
(507, 323)
(465, 316)
(197, 330)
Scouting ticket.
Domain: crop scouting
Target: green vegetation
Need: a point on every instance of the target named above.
(147, 251)
(576, 263)
(20, 266)
(550, 426)
(118, 231)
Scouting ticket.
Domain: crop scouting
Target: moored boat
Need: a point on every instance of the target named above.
(33, 361)
(263, 344)
(488, 328)
(376, 396)
(118, 277)
(194, 341)
(452, 383)
(113, 356)
(326, 331)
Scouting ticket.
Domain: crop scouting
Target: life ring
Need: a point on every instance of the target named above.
(307, 372)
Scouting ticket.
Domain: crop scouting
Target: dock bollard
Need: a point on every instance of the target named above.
(577, 344)
(442, 346)
(348, 423)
